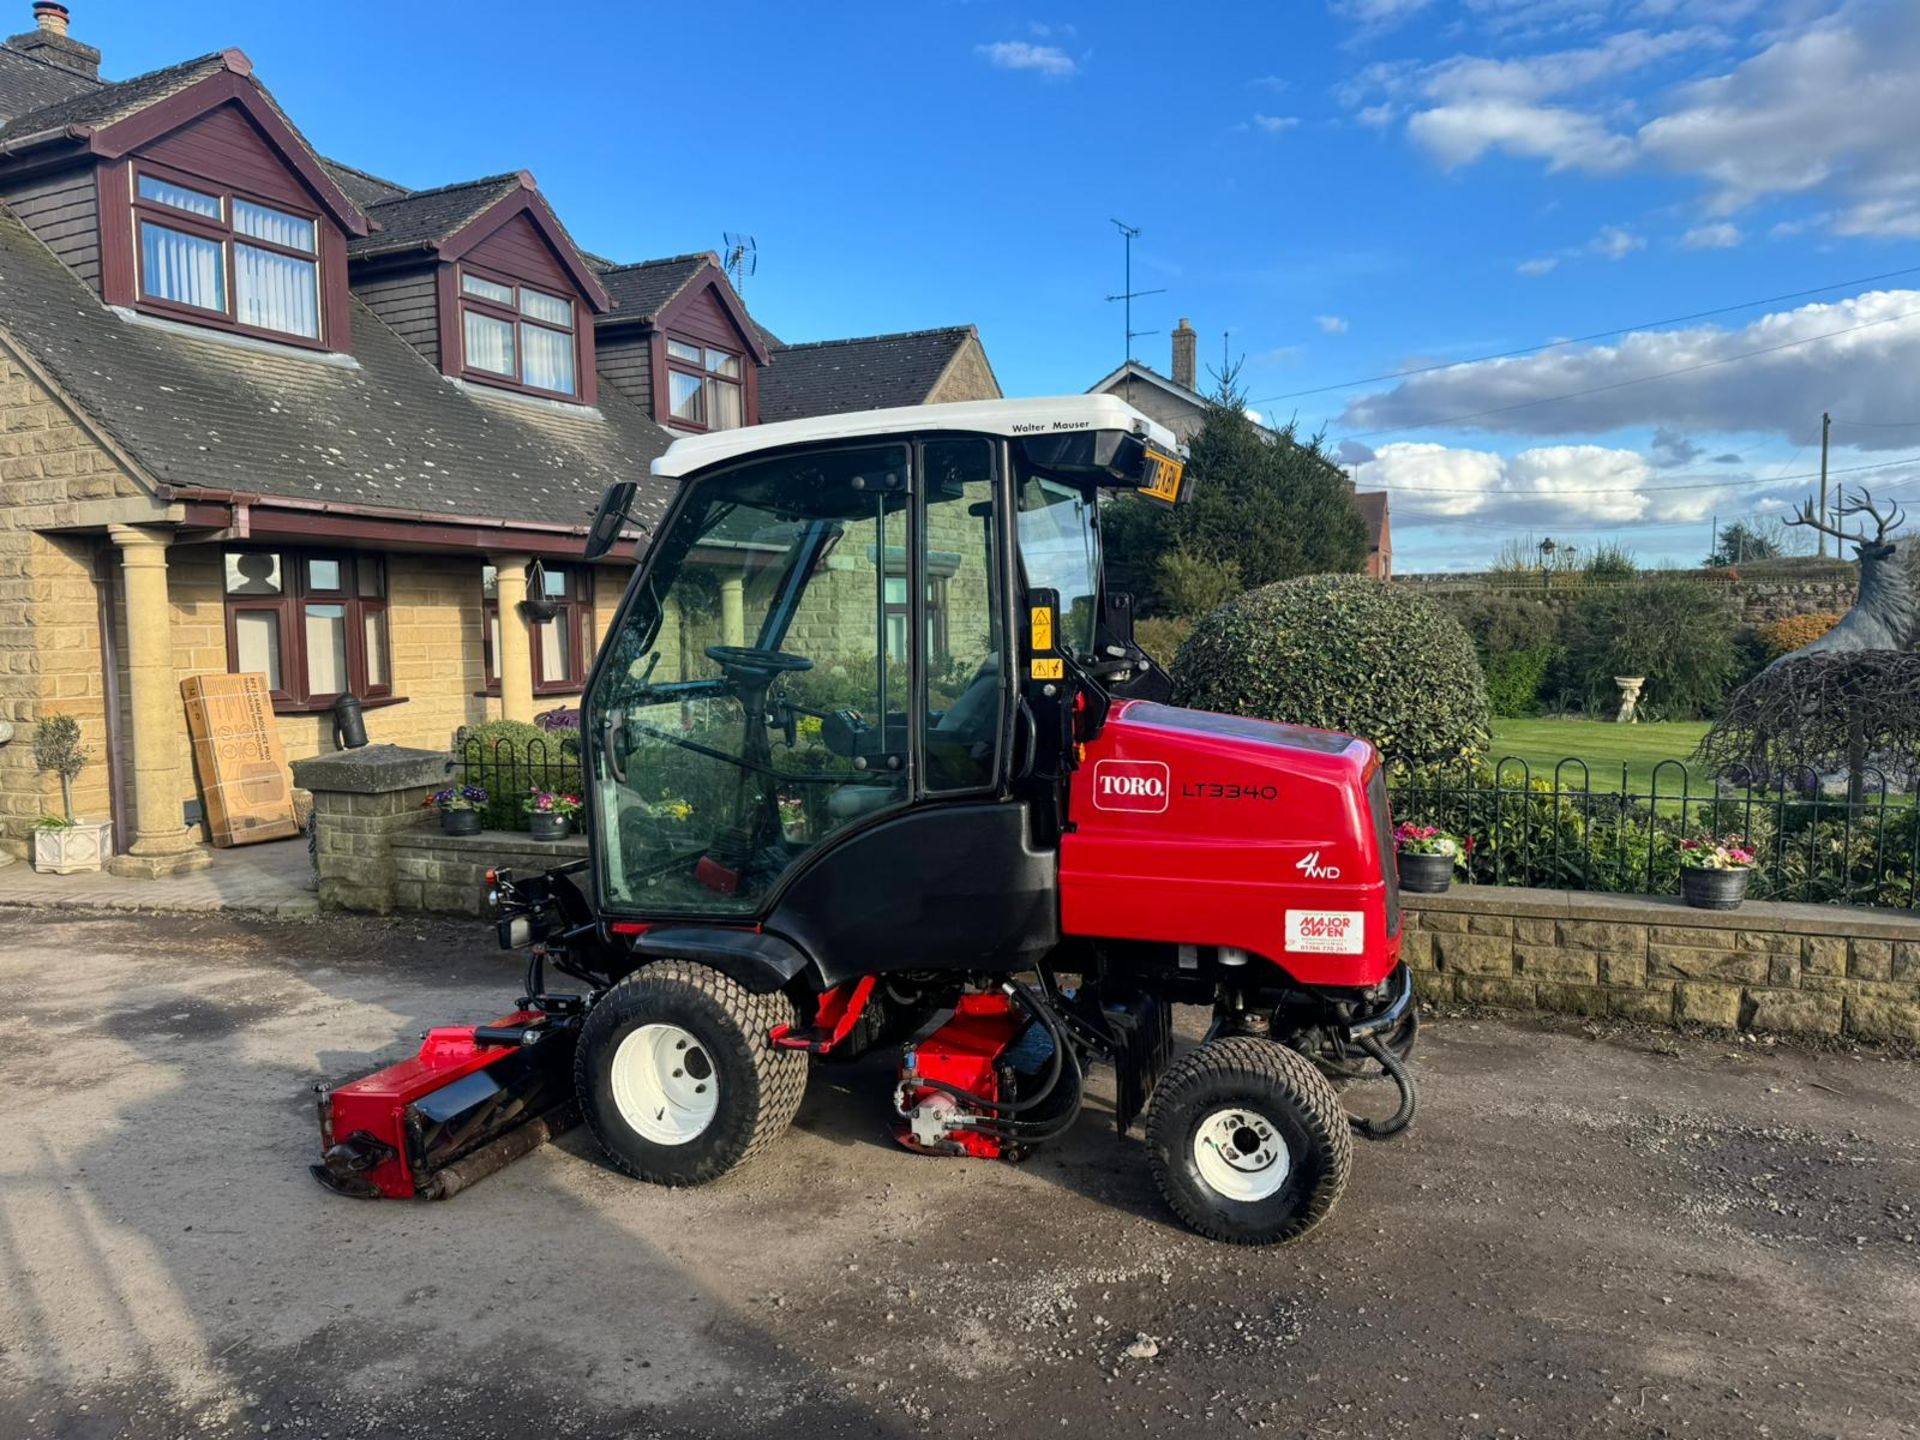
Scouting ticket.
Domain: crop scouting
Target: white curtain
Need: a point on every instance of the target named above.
(182, 268)
(489, 344)
(276, 227)
(549, 358)
(276, 292)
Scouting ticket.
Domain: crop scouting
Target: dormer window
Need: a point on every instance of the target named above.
(704, 386)
(516, 335)
(210, 254)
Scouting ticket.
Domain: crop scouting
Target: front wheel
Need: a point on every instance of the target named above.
(1248, 1141)
(676, 1078)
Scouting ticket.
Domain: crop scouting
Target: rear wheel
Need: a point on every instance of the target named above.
(675, 1075)
(1248, 1141)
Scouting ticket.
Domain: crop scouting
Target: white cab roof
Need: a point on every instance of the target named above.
(1051, 416)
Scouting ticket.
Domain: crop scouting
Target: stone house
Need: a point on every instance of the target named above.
(1176, 403)
(261, 411)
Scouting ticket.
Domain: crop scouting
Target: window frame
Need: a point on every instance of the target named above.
(221, 231)
(513, 313)
(708, 378)
(293, 696)
(579, 618)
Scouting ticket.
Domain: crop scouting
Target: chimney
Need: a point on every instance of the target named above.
(1185, 341)
(49, 42)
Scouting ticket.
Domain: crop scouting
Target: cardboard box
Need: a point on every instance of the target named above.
(244, 780)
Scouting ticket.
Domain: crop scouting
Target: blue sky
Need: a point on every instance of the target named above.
(1331, 189)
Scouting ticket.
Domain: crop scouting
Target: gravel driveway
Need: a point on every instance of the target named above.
(1620, 1233)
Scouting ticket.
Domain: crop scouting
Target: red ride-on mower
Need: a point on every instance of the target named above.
(872, 760)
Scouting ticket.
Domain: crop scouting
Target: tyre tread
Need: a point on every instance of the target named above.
(1320, 1107)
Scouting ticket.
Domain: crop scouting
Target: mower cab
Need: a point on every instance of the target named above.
(872, 758)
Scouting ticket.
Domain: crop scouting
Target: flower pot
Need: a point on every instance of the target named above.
(1708, 889)
(544, 826)
(71, 849)
(1424, 874)
(460, 822)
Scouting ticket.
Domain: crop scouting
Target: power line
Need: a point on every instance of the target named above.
(1586, 339)
(1637, 380)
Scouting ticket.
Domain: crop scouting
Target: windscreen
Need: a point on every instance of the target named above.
(1060, 551)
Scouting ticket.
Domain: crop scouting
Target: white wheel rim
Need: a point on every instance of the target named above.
(664, 1084)
(1241, 1154)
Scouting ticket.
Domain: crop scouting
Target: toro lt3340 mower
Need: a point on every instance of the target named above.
(871, 759)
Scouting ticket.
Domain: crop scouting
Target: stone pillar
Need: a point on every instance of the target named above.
(361, 800)
(733, 611)
(161, 844)
(1186, 341)
(516, 646)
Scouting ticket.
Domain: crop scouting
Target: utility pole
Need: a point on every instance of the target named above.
(1127, 295)
(1826, 429)
(1713, 545)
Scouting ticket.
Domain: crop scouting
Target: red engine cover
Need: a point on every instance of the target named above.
(964, 1052)
(1204, 829)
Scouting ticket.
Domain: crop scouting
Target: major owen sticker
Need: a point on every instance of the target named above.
(1130, 785)
(1326, 932)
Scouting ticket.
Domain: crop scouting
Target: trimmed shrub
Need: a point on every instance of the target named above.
(1341, 652)
(1783, 637)
(1678, 634)
(1517, 640)
(507, 758)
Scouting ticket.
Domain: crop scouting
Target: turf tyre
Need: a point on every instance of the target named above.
(759, 1085)
(1289, 1092)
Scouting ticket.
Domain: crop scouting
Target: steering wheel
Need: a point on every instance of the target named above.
(759, 664)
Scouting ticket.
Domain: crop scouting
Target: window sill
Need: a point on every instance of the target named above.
(288, 707)
(492, 692)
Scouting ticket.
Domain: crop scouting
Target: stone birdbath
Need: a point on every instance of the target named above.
(1630, 687)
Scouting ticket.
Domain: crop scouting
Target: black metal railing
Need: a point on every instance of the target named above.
(509, 770)
(1814, 838)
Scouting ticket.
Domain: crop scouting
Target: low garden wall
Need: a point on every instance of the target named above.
(1791, 969)
(448, 873)
(1756, 599)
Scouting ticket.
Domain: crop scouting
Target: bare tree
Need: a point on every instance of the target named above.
(1882, 617)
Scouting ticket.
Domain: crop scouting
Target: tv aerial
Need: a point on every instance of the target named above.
(742, 257)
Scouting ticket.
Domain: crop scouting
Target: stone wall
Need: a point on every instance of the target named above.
(434, 871)
(968, 377)
(1757, 599)
(51, 472)
(1796, 969)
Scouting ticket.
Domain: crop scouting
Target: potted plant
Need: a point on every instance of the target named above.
(1425, 855)
(1713, 872)
(550, 813)
(63, 845)
(459, 807)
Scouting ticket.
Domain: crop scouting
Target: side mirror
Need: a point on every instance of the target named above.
(610, 519)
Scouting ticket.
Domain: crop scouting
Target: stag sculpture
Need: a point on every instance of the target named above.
(1882, 617)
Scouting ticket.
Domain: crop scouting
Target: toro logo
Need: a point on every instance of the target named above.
(1140, 785)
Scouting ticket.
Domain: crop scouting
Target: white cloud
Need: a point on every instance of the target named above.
(1672, 448)
(1375, 117)
(1615, 242)
(1272, 84)
(1042, 31)
(1331, 324)
(1769, 377)
(1719, 236)
(1374, 16)
(1547, 485)
(1457, 135)
(1541, 265)
(1275, 124)
(1049, 61)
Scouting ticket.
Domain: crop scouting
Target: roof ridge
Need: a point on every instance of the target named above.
(369, 175)
(663, 260)
(513, 175)
(968, 329)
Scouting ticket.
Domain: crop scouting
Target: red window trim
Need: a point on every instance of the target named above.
(290, 606)
(675, 363)
(222, 231)
(580, 619)
(510, 313)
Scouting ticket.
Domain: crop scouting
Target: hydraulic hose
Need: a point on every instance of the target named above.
(1043, 1016)
(1409, 1094)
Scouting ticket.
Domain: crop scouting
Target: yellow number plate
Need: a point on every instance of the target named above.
(1164, 475)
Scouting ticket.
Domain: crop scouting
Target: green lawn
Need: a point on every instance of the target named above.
(1604, 746)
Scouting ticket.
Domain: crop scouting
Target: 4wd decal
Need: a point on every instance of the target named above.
(1309, 865)
(1138, 785)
